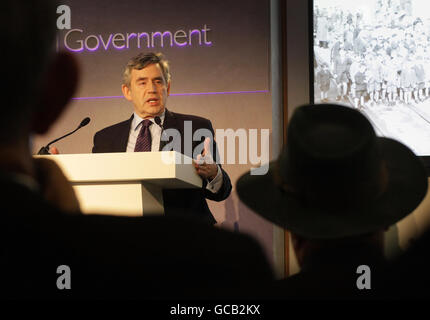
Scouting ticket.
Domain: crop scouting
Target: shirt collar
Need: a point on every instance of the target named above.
(137, 120)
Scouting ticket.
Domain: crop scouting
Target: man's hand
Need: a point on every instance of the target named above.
(54, 185)
(204, 164)
(54, 150)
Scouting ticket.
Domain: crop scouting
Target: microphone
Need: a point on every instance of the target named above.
(45, 150)
(157, 120)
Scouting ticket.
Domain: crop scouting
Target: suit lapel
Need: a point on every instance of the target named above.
(170, 122)
(120, 142)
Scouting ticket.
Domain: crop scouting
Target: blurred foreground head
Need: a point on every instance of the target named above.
(335, 178)
(39, 81)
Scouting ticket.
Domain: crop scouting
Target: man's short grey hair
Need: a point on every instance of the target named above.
(143, 60)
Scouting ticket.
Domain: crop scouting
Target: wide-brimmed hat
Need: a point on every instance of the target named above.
(335, 178)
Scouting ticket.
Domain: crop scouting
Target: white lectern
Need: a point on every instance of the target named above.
(129, 183)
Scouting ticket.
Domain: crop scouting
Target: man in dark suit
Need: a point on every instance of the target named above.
(146, 83)
(48, 252)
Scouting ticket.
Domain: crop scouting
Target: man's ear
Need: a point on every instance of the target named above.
(57, 88)
(126, 92)
(168, 89)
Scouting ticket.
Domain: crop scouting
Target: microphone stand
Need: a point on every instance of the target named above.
(45, 150)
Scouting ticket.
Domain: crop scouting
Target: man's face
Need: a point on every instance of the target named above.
(148, 91)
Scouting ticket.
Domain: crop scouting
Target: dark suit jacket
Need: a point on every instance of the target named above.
(148, 257)
(115, 138)
(408, 276)
(332, 274)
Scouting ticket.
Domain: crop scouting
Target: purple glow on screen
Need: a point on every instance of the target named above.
(179, 94)
(95, 48)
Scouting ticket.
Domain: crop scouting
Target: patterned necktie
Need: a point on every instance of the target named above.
(143, 141)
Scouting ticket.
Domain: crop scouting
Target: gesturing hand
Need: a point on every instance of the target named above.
(204, 164)
(54, 150)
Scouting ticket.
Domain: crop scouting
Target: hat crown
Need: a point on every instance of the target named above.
(330, 134)
(331, 157)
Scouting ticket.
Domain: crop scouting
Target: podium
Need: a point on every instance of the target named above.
(128, 184)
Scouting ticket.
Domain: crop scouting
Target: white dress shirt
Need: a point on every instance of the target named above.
(214, 186)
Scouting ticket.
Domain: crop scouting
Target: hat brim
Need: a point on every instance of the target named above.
(407, 186)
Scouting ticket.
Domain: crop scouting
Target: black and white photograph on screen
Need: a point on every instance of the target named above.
(374, 56)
